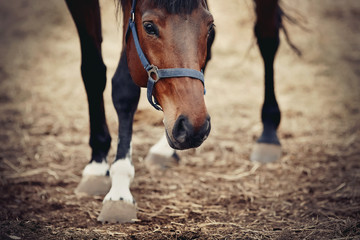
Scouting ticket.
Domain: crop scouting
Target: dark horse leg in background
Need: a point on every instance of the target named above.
(86, 15)
(268, 22)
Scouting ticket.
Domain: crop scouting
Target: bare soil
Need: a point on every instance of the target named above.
(313, 192)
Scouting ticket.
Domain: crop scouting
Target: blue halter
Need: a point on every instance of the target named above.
(154, 73)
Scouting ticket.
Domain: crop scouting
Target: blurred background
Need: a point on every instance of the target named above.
(216, 191)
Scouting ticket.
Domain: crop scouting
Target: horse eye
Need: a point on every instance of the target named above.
(150, 28)
(211, 28)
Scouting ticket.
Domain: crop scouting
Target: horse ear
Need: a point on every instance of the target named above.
(205, 4)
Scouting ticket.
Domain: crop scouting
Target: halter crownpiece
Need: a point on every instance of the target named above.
(155, 74)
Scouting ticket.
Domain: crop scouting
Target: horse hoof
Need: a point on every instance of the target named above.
(117, 212)
(156, 162)
(93, 185)
(265, 153)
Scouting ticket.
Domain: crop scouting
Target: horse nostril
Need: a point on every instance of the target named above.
(186, 137)
(206, 128)
(182, 129)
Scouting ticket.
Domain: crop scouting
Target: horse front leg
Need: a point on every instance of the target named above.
(86, 15)
(268, 22)
(161, 157)
(119, 204)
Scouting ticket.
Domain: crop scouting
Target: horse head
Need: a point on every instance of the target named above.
(173, 36)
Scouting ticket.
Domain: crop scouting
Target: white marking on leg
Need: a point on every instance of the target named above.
(122, 173)
(96, 169)
(162, 148)
(161, 156)
(95, 180)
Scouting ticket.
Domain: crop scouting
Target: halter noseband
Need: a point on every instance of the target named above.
(154, 73)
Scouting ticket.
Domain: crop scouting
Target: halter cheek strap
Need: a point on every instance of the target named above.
(155, 74)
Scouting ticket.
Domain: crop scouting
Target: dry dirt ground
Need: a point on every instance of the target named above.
(313, 192)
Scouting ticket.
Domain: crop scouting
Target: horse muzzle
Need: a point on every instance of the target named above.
(184, 135)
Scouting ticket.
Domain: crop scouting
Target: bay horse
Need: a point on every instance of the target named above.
(166, 47)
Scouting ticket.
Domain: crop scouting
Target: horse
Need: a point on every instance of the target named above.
(166, 46)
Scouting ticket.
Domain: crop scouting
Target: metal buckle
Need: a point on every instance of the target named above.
(153, 71)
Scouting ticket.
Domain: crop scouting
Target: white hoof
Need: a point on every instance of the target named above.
(93, 185)
(154, 161)
(265, 153)
(117, 212)
(161, 156)
(94, 179)
(119, 205)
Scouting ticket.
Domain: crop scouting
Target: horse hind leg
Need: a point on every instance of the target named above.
(86, 15)
(267, 147)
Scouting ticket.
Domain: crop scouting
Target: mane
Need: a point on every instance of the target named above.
(172, 6)
(177, 6)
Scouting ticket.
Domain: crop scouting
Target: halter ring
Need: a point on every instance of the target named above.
(153, 73)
